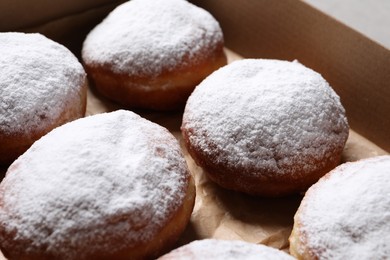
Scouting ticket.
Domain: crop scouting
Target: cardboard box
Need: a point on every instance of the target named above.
(356, 67)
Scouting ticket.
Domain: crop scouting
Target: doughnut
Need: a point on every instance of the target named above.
(108, 186)
(225, 250)
(42, 86)
(265, 127)
(151, 54)
(346, 215)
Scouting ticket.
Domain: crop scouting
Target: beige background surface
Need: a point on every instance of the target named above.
(372, 18)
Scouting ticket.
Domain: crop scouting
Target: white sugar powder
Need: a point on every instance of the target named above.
(346, 215)
(266, 115)
(144, 37)
(226, 250)
(96, 181)
(38, 78)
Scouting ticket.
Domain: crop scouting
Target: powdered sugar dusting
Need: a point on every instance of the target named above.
(96, 181)
(37, 78)
(226, 250)
(267, 115)
(146, 37)
(346, 215)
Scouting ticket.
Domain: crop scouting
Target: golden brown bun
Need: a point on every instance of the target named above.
(156, 246)
(271, 186)
(151, 54)
(147, 91)
(167, 237)
(127, 193)
(345, 214)
(15, 144)
(43, 86)
(265, 127)
(224, 250)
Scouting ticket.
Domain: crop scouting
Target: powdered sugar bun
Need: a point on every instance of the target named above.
(265, 127)
(42, 86)
(225, 250)
(346, 215)
(151, 54)
(112, 186)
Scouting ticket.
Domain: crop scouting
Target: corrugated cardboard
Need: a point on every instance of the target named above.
(358, 69)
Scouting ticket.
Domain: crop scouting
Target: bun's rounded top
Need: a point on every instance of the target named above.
(148, 37)
(38, 80)
(225, 250)
(347, 213)
(104, 178)
(266, 116)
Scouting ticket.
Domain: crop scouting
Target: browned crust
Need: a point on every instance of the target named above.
(297, 241)
(168, 235)
(267, 183)
(167, 91)
(161, 243)
(298, 238)
(15, 144)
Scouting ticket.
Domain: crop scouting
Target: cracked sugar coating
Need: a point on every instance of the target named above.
(147, 37)
(346, 215)
(266, 119)
(39, 79)
(92, 187)
(225, 250)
